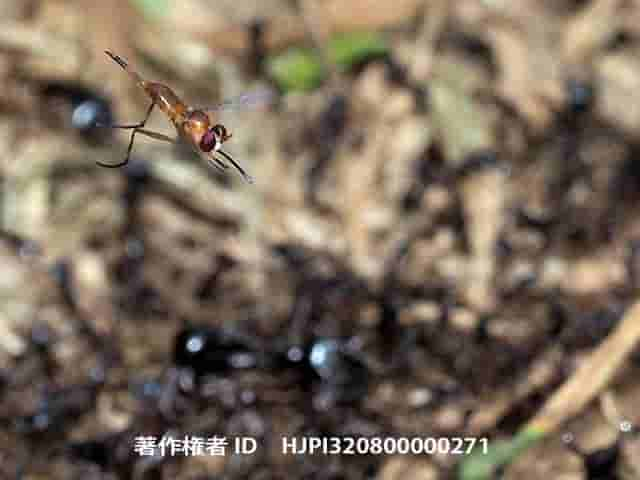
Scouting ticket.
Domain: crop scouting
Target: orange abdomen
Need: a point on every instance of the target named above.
(165, 99)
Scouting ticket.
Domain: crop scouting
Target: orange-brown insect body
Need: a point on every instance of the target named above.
(193, 125)
(165, 99)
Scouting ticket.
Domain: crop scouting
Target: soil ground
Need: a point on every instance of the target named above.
(441, 235)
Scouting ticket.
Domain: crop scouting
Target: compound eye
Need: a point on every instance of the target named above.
(209, 140)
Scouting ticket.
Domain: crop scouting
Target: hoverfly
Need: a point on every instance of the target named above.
(194, 125)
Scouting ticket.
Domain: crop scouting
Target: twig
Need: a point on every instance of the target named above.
(595, 373)
(592, 376)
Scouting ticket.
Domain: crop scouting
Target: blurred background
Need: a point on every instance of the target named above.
(443, 225)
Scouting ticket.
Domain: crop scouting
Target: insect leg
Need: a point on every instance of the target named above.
(156, 135)
(126, 159)
(244, 174)
(216, 163)
(135, 128)
(136, 125)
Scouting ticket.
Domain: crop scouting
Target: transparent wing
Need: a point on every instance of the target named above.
(255, 99)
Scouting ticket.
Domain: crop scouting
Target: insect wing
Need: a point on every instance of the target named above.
(255, 99)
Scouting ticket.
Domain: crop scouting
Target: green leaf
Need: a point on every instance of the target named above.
(152, 8)
(348, 50)
(483, 465)
(297, 69)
